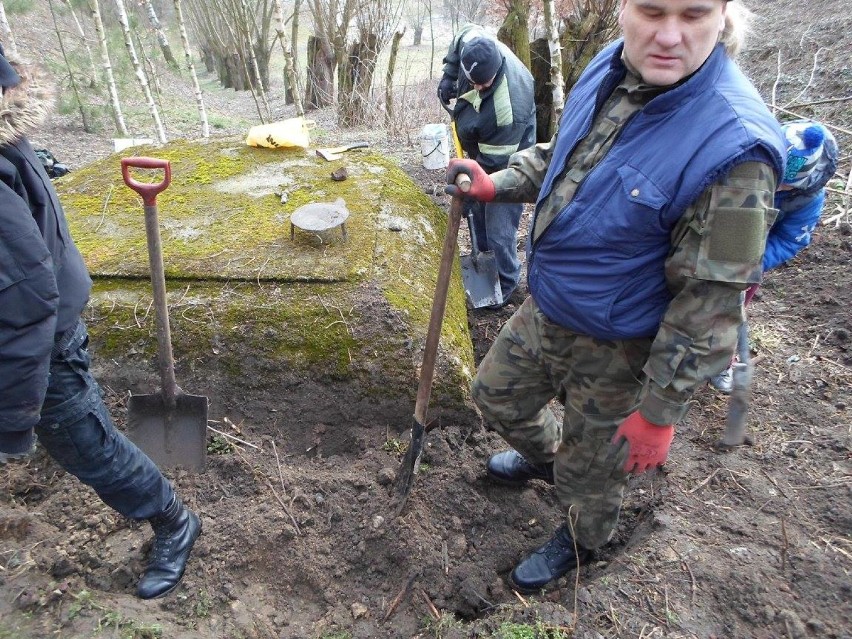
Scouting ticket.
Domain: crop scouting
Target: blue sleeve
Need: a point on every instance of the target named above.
(791, 233)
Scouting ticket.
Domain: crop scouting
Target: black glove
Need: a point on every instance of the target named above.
(446, 89)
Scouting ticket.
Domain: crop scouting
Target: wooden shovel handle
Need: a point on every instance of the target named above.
(149, 192)
(439, 305)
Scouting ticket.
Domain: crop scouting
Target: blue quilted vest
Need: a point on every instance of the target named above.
(598, 269)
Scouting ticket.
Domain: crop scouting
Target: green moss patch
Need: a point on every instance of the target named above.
(240, 289)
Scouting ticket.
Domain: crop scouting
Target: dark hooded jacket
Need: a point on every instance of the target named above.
(44, 284)
(494, 123)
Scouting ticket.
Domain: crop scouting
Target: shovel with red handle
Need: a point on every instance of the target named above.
(169, 426)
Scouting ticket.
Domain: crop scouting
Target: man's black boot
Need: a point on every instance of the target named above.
(509, 467)
(175, 532)
(548, 563)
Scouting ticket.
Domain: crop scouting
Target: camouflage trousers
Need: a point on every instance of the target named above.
(534, 361)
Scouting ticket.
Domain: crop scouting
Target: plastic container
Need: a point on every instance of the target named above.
(435, 146)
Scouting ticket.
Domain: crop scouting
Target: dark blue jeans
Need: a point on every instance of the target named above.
(496, 226)
(76, 430)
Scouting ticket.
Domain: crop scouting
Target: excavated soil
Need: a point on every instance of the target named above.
(299, 538)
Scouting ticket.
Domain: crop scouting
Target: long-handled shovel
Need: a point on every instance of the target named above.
(170, 426)
(411, 462)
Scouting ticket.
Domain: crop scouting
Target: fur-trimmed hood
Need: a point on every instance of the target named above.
(25, 107)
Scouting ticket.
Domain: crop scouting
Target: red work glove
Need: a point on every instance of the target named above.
(649, 443)
(481, 186)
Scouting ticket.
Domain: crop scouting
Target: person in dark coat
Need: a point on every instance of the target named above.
(495, 117)
(46, 387)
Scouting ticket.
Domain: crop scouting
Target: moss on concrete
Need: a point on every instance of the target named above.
(238, 283)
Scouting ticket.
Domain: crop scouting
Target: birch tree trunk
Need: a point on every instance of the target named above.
(199, 97)
(86, 127)
(140, 72)
(289, 66)
(555, 66)
(10, 39)
(107, 65)
(163, 41)
(94, 82)
(294, 41)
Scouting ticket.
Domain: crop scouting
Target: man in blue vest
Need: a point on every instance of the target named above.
(495, 117)
(652, 206)
(45, 383)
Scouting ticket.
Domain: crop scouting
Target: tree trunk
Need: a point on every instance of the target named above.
(394, 52)
(107, 65)
(294, 57)
(357, 82)
(586, 32)
(232, 72)
(432, 39)
(163, 41)
(10, 39)
(543, 90)
(556, 81)
(140, 72)
(515, 32)
(199, 97)
(319, 89)
(150, 70)
(94, 81)
(86, 127)
(256, 78)
(418, 36)
(294, 91)
(209, 60)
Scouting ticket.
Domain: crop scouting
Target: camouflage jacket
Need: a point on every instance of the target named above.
(698, 333)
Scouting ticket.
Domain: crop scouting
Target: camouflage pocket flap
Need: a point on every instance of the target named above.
(732, 245)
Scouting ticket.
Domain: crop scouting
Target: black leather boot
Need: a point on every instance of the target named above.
(509, 467)
(548, 563)
(175, 532)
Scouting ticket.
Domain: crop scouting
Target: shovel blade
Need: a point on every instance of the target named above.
(481, 280)
(171, 437)
(409, 467)
(736, 424)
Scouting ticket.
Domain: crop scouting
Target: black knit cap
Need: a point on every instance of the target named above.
(8, 76)
(480, 60)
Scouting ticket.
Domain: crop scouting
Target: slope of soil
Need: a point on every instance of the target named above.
(299, 539)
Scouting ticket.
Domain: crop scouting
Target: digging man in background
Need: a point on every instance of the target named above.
(494, 116)
(652, 206)
(45, 383)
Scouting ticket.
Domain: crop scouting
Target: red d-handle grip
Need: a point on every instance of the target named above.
(148, 190)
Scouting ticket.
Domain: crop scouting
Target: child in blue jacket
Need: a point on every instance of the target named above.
(811, 163)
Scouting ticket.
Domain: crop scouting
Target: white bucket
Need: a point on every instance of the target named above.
(435, 146)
